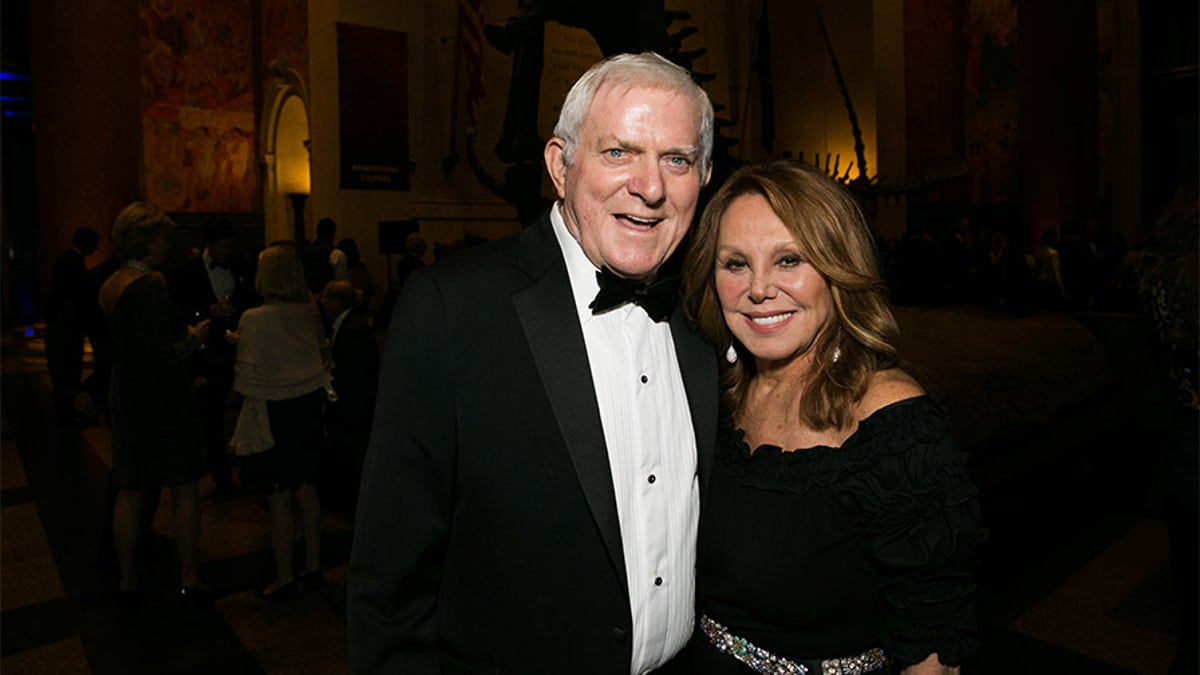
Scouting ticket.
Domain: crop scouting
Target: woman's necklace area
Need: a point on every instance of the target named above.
(138, 265)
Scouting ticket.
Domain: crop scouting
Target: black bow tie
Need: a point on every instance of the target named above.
(658, 298)
(217, 263)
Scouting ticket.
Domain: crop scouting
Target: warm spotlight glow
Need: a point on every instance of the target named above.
(842, 162)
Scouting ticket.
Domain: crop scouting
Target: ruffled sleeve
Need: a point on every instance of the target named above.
(919, 510)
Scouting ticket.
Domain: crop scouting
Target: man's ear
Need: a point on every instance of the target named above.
(707, 174)
(556, 163)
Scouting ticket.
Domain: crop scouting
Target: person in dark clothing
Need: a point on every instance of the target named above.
(414, 249)
(355, 378)
(67, 309)
(96, 385)
(1166, 273)
(156, 430)
(214, 285)
(357, 272)
(410, 261)
(831, 460)
(98, 333)
(317, 256)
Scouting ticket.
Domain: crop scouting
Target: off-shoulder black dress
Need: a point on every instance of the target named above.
(829, 552)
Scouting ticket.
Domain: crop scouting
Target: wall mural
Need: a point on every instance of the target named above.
(285, 36)
(198, 127)
(991, 105)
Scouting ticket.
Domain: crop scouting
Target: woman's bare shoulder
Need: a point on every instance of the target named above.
(888, 387)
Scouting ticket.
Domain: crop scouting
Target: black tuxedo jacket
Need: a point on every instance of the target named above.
(192, 291)
(355, 376)
(487, 537)
(67, 302)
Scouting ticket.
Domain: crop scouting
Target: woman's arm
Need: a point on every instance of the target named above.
(921, 515)
(930, 666)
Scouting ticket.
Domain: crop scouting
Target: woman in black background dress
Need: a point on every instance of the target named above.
(839, 524)
(155, 421)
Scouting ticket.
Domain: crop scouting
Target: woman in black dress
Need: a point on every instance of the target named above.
(839, 524)
(156, 434)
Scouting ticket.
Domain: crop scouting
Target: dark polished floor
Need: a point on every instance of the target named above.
(1068, 455)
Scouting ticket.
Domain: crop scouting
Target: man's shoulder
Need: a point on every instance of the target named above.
(69, 257)
(492, 251)
(488, 262)
(355, 322)
(490, 272)
(68, 264)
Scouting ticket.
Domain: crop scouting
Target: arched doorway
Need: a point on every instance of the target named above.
(288, 177)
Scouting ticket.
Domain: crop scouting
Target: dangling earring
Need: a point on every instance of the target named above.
(837, 354)
(731, 355)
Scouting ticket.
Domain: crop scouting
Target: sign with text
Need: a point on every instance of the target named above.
(373, 98)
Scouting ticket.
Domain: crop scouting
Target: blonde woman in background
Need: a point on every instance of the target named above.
(282, 370)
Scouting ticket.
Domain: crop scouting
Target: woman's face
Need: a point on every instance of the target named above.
(773, 300)
(158, 249)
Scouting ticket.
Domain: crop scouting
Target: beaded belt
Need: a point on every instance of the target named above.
(763, 661)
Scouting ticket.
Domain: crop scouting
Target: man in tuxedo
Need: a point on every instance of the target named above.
(67, 307)
(98, 333)
(66, 314)
(214, 285)
(529, 500)
(321, 260)
(355, 378)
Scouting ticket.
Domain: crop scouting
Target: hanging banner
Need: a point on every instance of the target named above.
(373, 103)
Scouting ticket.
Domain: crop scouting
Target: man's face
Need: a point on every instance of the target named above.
(220, 249)
(629, 194)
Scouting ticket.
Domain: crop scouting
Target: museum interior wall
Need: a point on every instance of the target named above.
(391, 115)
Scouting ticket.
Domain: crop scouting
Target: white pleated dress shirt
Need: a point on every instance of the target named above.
(221, 279)
(652, 454)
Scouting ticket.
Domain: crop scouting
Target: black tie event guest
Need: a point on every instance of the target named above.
(98, 334)
(96, 385)
(355, 378)
(67, 310)
(155, 423)
(531, 491)
(215, 285)
(410, 261)
(282, 372)
(839, 524)
(320, 257)
(357, 272)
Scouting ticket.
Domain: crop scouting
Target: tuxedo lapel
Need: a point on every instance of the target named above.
(547, 313)
(699, 369)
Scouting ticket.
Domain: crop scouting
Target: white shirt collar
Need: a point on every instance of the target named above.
(337, 323)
